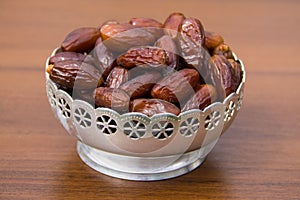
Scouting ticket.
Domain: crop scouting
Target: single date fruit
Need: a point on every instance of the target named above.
(176, 87)
(204, 96)
(81, 40)
(166, 43)
(212, 40)
(114, 98)
(172, 23)
(62, 56)
(70, 73)
(145, 57)
(151, 25)
(151, 107)
(223, 76)
(117, 77)
(141, 85)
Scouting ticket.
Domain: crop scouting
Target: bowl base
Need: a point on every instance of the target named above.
(140, 168)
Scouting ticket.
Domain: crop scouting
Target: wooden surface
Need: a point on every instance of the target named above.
(258, 157)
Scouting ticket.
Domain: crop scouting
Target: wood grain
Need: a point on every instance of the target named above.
(258, 157)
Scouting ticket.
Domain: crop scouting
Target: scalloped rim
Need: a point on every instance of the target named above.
(145, 117)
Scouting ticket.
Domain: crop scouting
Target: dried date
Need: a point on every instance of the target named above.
(141, 85)
(81, 40)
(117, 77)
(121, 37)
(113, 98)
(176, 87)
(166, 43)
(151, 25)
(223, 49)
(172, 23)
(69, 74)
(151, 107)
(204, 96)
(223, 76)
(145, 57)
(191, 39)
(212, 40)
(62, 56)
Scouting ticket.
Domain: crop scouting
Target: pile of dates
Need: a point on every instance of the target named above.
(146, 66)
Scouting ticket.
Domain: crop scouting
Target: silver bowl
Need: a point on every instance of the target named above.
(134, 146)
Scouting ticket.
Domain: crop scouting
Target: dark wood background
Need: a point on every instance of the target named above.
(258, 157)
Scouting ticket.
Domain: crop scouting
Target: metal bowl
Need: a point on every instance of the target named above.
(137, 147)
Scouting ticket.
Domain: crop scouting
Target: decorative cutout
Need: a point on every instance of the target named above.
(82, 117)
(106, 124)
(51, 95)
(162, 130)
(229, 111)
(134, 129)
(189, 127)
(240, 100)
(212, 120)
(64, 107)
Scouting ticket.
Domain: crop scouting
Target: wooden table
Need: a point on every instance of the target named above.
(258, 157)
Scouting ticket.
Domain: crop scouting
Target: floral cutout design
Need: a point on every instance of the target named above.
(240, 101)
(229, 111)
(64, 107)
(106, 124)
(82, 117)
(162, 130)
(212, 120)
(52, 97)
(134, 129)
(189, 127)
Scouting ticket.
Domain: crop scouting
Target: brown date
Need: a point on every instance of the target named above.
(223, 76)
(121, 37)
(172, 23)
(191, 39)
(166, 43)
(104, 58)
(81, 40)
(145, 57)
(212, 40)
(223, 49)
(204, 96)
(69, 74)
(151, 107)
(113, 98)
(117, 77)
(176, 87)
(141, 85)
(61, 56)
(237, 70)
(151, 25)
(85, 95)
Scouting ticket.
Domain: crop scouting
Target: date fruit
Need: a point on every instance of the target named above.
(141, 85)
(176, 87)
(120, 37)
(223, 49)
(104, 58)
(151, 107)
(223, 76)
(117, 77)
(204, 96)
(62, 56)
(172, 23)
(166, 43)
(113, 98)
(69, 74)
(145, 57)
(191, 39)
(212, 40)
(237, 70)
(81, 40)
(151, 25)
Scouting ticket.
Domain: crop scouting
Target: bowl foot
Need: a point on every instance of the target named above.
(140, 168)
